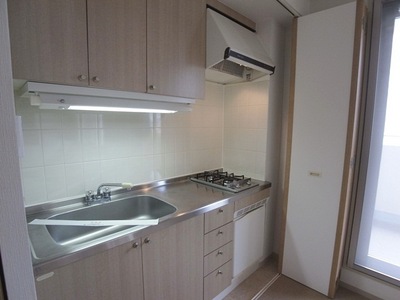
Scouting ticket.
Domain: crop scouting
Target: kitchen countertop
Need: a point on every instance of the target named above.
(188, 197)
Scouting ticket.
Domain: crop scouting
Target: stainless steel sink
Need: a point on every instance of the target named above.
(137, 207)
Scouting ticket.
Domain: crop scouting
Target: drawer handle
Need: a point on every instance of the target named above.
(147, 240)
(220, 210)
(220, 232)
(219, 272)
(220, 252)
(135, 245)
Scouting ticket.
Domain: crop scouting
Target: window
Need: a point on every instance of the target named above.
(375, 240)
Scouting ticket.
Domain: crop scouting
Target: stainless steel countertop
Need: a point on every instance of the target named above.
(188, 197)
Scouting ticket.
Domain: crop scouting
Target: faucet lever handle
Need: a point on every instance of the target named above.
(107, 193)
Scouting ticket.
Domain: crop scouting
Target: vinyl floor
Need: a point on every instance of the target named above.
(267, 284)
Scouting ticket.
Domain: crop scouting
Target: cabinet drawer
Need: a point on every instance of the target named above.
(218, 217)
(218, 237)
(218, 280)
(217, 258)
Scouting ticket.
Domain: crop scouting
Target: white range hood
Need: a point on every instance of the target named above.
(234, 53)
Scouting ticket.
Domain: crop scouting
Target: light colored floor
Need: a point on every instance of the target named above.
(283, 288)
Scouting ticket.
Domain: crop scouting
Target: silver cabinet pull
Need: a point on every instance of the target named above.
(220, 232)
(219, 272)
(82, 77)
(220, 210)
(135, 245)
(152, 87)
(96, 79)
(147, 240)
(220, 252)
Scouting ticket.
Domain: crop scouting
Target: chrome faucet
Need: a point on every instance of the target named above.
(104, 193)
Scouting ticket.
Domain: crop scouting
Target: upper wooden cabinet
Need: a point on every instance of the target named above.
(176, 47)
(117, 44)
(49, 40)
(132, 45)
(95, 42)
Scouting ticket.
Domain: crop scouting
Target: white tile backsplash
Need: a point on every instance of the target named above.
(245, 128)
(68, 153)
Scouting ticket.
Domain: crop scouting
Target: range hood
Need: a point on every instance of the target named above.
(234, 53)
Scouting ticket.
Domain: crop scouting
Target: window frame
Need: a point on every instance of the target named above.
(376, 87)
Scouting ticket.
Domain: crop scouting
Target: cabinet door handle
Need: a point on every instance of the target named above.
(219, 272)
(220, 232)
(135, 245)
(96, 79)
(147, 240)
(82, 77)
(220, 210)
(220, 252)
(152, 87)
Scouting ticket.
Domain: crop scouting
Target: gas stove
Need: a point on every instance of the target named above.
(224, 180)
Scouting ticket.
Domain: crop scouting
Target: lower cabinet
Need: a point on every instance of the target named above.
(173, 262)
(113, 274)
(167, 264)
(218, 250)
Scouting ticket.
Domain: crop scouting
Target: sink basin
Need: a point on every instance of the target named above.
(138, 207)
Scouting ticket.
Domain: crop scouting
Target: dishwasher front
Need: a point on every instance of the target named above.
(249, 237)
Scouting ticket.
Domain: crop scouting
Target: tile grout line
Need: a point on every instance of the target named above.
(266, 287)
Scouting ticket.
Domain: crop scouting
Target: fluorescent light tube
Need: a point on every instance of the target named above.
(96, 103)
(120, 109)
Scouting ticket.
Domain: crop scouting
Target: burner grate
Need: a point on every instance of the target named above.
(224, 180)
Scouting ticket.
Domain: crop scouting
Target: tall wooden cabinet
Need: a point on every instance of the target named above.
(149, 46)
(325, 95)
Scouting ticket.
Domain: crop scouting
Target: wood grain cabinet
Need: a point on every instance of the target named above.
(173, 262)
(113, 274)
(132, 45)
(218, 250)
(80, 42)
(176, 47)
(167, 264)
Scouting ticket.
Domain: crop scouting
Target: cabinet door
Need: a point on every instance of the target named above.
(48, 40)
(173, 262)
(117, 44)
(113, 274)
(176, 47)
(320, 138)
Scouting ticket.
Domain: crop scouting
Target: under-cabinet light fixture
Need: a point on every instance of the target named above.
(87, 99)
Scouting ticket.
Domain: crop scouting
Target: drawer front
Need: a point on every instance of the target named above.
(218, 280)
(218, 237)
(217, 258)
(218, 217)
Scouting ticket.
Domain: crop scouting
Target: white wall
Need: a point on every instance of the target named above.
(68, 153)
(273, 37)
(14, 245)
(245, 129)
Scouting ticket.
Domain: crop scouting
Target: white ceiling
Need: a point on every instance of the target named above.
(259, 10)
